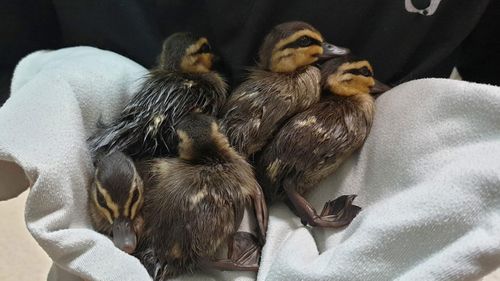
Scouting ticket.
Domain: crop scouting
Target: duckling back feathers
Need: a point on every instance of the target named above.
(312, 144)
(195, 202)
(261, 103)
(284, 83)
(182, 83)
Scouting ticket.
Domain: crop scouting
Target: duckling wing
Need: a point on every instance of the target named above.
(310, 146)
(251, 116)
(190, 211)
(145, 127)
(260, 105)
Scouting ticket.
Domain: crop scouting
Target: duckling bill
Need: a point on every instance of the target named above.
(195, 203)
(182, 82)
(115, 200)
(285, 82)
(314, 143)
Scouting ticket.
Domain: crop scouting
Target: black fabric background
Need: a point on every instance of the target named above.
(401, 45)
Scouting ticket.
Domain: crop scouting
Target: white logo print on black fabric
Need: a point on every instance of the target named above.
(423, 7)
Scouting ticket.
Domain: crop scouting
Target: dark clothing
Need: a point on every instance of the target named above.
(400, 43)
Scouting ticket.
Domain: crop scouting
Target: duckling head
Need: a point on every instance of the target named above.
(293, 45)
(201, 139)
(118, 197)
(186, 52)
(346, 76)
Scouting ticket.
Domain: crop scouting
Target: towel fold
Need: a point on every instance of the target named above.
(428, 179)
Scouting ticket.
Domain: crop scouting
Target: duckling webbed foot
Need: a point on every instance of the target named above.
(336, 213)
(245, 249)
(243, 254)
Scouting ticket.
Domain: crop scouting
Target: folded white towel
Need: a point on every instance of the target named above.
(428, 179)
(56, 99)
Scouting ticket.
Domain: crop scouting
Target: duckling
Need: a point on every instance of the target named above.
(116, 199)
(312, 144)
(195, 203)
(285, 82)
(182, 82)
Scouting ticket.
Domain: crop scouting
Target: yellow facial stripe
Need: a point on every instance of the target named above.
(196, 46)
(349, 84)
(102, 210)
(197, 63)
(140, 200)
(310, 51)
(136, 205)
(203, 62)
(126, 210)
(355, 65)
(109, 202)
(358, 82)
(362, 82)
(297, 35)
(289, 60)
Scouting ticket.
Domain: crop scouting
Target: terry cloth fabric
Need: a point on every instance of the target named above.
(428, 179)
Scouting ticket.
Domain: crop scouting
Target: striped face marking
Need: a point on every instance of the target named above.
(105, 204)
(110, 209)
(352, 78)
(284, 43)
(198, 57)
(297, 50)
(135, 199)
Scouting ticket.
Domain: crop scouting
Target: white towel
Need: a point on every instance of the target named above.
(428, 179)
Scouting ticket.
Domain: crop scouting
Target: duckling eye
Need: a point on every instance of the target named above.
(365, 71)
(205, 48)
(304, 41)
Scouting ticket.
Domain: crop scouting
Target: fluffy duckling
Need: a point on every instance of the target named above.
(195, 203)
(312, 144)
(284, 83)
(182, 82)
(116, 199)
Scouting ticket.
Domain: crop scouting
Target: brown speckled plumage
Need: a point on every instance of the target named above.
(194, 203)
(181, 83)
(284, 83)
(312, 144)
(263, 102)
